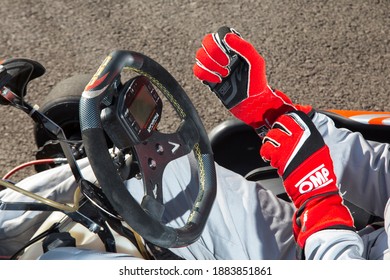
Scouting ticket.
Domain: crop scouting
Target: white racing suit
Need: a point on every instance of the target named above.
(246, 221)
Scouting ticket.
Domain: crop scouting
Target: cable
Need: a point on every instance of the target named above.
(47, 201)
(34, 162)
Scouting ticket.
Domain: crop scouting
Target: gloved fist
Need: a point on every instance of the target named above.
(296, 148)
(236, 72)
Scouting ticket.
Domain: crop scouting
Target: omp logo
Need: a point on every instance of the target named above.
(315, 179)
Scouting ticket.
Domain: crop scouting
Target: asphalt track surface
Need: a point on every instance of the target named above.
(330, 54)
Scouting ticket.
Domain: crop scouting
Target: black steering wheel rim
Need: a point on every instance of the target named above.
(111, 183)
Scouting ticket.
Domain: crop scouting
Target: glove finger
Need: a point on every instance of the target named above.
(271, 143)
(204, 74)
(285, 132)
(290, 123)
(256, 62)
(214, 50)
(209, 63)
(269, 148)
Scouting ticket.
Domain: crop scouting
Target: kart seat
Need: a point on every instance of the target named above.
(374, 132)
(236, 147)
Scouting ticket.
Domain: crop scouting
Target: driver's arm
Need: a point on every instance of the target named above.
(323, 226)
(259, 106)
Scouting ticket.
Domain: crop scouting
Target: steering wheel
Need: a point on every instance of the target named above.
(145, 218)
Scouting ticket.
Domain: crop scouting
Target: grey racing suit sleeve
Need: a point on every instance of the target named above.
(387, 229)
(363, 175)
(372, 244)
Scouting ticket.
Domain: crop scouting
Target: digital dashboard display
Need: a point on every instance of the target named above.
(142, 106)
(134, 115)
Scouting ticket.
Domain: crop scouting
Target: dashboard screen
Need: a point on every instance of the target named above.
(142, 106)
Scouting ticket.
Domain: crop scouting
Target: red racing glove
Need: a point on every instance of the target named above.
(297, 150)
(236, 72)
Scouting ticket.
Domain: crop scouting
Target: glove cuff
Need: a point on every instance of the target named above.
(261, 110)
(312, 177)
(307, 109)
(318, 213)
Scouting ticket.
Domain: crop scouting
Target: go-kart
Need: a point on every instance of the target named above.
(122, 119)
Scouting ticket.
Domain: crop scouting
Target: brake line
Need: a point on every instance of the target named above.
(34, 162)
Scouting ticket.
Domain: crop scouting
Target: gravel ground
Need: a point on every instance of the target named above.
(331, 54)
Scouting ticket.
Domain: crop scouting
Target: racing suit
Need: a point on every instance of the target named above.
(247, 221)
